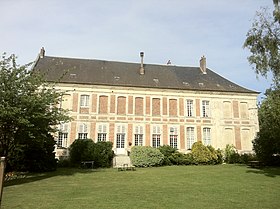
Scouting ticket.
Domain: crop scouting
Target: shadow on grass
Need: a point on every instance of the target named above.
(267, 171)
(31, 177)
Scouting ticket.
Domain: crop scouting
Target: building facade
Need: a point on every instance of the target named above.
(134, 104)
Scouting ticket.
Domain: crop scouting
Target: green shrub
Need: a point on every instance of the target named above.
(220, 156)
(167, 151)
(146, 156)
(103, 154)
(188, 159)
(231, 155)
(177, 158)
(80, 150)
(201, 154)
(64, 163)
(86, 150)
(246, 157)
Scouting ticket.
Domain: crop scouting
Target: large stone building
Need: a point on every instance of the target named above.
(137, 104)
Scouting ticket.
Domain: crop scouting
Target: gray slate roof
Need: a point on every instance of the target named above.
(112, 73)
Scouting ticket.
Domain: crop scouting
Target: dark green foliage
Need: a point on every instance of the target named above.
(177, 158)
(146, 156)
(167, 151)
(29, 114)
(246, 157)
(64, 163)
(33, 154)
(103, 154)
(86, 150)
(80, 151)
(231, 156)
(267, 143)
(188, 159)
(200, 155)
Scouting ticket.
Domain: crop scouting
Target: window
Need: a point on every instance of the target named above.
(228, 137)
(190, 137)
(103, 104)
(243, 110)
(121, 105)
(227, 109)
(156, 136)
(84, 101)
(189, 108)
(102, 133)
(62, 135)
(173, 137)
(246, 140)
(205, 109)
(156, 140)
(62, 139)
(156, 106)
(172, 107)
(138, 106)
(138, 136)
(206, 136)
(120, 142)
(83, 133)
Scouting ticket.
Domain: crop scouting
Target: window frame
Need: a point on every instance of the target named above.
(83, 131)
(205, 107)
(84, 100)
(189, 108)
(190, 139)
(206, 136)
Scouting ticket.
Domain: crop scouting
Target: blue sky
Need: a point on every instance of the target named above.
(179, 30)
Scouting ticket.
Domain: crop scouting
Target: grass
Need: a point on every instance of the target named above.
(221, 186)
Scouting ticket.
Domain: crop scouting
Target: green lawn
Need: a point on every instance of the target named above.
(221, 186)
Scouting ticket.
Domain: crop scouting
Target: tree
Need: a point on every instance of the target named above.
(263, 41)
(267, 142)
(29, 114)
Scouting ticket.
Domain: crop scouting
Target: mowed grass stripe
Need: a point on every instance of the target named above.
(222, 186)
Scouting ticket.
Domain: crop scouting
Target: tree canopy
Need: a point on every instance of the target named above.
(263, 42)
(29, 114)
(267, 143)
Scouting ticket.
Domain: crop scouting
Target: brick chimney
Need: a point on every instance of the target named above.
(203, 64)
(42, 52)
(142, 70)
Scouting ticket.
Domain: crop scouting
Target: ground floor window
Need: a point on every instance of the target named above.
(83, 131)
(102, 132)
(120, 140)
(156, 140)
(173, 141)
(206, 136)
(101, 137)
(190, 137)
(82, 135)
(138, 139)
(62, 139)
